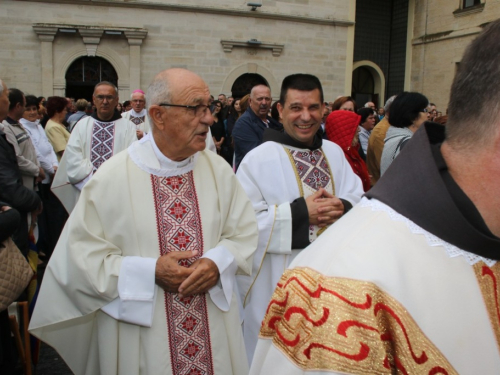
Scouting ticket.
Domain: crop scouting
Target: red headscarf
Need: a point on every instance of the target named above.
(341, 127)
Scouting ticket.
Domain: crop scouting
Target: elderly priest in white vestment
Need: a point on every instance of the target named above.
(407, 282)
(94, 140)
(143, 278)
(138, 114)
(299, 184)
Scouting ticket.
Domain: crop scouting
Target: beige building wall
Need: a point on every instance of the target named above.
(441, 33)
(307, 36)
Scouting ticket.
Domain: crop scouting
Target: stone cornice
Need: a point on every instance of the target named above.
(228, 45)
(425, 39)
(203, 9)
(43, 28)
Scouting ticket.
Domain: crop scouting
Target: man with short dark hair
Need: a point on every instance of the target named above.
(299, 185)
(225, 106)
(145, 268)
(96, 139)
(249, 128)
(408, 281)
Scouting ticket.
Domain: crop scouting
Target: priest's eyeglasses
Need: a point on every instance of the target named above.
(101, 98)
(199, 110)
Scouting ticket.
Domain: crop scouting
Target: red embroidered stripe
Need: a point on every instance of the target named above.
(103, 141)
(179, 229)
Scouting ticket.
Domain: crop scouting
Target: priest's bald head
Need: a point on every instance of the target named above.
(179, 112)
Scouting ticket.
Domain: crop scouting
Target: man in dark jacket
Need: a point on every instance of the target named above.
(12, 190)
(249, 128)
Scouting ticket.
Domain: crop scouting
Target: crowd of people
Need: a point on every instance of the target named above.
(191, 235)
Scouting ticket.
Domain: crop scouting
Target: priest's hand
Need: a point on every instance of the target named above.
(204, 277)
(324, 208)
(169, 274)
(139, 134)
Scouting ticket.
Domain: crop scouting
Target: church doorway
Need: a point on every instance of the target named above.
(368, 83)
(245, 82)
(363, 87)
(84, 73)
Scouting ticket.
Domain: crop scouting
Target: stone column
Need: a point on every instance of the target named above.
(135, 39)
(46, 36)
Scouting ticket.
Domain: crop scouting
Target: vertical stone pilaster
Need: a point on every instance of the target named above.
(46, 36)
(135, 39)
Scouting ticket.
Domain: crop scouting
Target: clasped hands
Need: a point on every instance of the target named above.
(324, 208)
(198, 278)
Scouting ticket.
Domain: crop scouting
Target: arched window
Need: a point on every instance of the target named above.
(84, 73)
(245, 82)
(363, 86)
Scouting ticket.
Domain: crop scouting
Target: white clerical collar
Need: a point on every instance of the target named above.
(138, 114)
(147, 156)
(165, 162)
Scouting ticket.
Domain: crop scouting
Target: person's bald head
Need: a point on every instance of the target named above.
(171, 83)
(260, 100)
(178, 107)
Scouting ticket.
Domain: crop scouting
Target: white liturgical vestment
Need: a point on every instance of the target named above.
(91, 143)
(394, 289)
(272, 182)
(405, 283)
(99, 306)
(140, 120)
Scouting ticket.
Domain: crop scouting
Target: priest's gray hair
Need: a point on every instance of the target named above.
(1, 87)
(158, 92)
(106, 83)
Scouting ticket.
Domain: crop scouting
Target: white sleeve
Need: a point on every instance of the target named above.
(78, 166)
(81, 184)
(136, 292)
(222, 292)
(274, 221)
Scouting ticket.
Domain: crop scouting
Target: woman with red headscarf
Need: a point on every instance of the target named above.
(342, 128)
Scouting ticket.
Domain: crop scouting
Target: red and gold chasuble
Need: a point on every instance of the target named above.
(312, 173)
(179, 229)
(102, 144)
(349, 326)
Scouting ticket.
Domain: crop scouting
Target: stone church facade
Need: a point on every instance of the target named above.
(441, 32)
(368, 49)
(220, 40)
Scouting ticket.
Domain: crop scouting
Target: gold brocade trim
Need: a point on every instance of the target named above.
(488, 279)
(294, 166)
(349, 326)
(262, 260)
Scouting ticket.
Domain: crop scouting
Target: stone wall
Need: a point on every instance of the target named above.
(442, 31)
(179, 39)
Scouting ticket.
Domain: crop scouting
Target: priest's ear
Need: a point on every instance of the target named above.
(155, 115)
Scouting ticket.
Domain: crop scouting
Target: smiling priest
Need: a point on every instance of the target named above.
(299, 185)
(142, 280)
